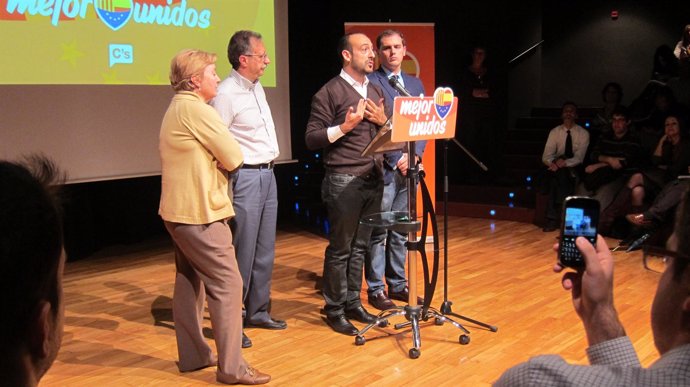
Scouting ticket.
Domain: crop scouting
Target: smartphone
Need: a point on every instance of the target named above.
(580, 218)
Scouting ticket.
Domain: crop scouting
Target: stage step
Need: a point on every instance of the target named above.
(514, 203)
(487, 211)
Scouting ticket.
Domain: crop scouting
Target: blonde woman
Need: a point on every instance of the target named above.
(197, 151)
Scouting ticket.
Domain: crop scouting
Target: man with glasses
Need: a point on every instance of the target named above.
(241, 103)
(615, 157)
(611, 353)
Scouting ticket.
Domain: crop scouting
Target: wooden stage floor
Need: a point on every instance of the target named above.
(119, 329)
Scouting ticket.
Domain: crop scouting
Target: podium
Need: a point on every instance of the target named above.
(414, 118)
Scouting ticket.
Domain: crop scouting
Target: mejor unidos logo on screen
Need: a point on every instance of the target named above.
(116, 13)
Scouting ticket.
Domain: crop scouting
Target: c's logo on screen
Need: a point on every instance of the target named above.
(121, 53)
(115, 13)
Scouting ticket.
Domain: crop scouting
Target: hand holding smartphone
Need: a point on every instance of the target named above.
(580, 218)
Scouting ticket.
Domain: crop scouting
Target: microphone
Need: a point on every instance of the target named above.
(397, 86)
(638, 242)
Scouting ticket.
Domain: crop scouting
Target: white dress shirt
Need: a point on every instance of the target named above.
(243, 107)
(334, 132)
(555, 145)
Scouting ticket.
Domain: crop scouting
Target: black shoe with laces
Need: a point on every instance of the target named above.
(246, 341)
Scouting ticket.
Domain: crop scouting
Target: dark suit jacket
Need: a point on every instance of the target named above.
(415, 87)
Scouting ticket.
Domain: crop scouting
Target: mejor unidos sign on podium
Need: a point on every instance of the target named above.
(425, 118)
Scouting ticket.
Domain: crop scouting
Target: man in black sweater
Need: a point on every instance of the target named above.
(345, 115)
(617, 155)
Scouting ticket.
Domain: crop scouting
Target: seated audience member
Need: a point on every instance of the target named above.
(670, 159)
(651, 128)
(680, 87)
(616, 154)
(646, 103)
(611, 95)
(32, 262)
(611, 353)
(665, 64)
(671, 155)
(563, 155)
(683, 46)
(661, 209)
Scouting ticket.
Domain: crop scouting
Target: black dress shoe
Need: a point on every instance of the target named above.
(270, 324)
(341, 324)
(404, 295)
(246, 341)
(551, 225)
(360, 314)
(381, 301)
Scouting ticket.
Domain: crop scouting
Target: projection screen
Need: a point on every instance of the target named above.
(86, 81)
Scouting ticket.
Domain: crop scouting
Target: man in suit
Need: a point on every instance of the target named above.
(387, 248)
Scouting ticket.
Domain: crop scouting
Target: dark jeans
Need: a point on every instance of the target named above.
(348, 198)
(558, 185)
(667, 200)
(600, 177)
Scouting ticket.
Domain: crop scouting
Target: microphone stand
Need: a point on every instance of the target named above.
(446, 308)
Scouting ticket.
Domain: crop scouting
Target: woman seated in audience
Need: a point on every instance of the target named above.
(670, 159)
(652, 127)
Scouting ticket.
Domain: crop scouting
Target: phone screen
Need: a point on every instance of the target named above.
(580, 218)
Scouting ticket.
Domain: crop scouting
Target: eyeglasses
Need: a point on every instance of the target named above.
(657, 259)
(260, 56)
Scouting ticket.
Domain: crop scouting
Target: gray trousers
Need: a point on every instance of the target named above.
(255, 200)
(666, 200)
(206, 268)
